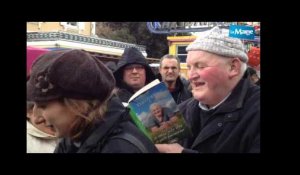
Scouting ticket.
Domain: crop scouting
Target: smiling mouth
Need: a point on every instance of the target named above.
(50, 127)
(135, 78)
(199, 84)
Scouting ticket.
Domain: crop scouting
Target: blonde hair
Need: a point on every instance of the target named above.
(87, 112)
(243, 68)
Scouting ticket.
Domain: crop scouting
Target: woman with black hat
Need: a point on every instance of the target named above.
(74, 91)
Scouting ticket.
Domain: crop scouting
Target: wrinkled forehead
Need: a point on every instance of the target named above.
(169, 62)
(205, 57)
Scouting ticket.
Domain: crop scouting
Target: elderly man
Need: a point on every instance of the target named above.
(132, 73)
(169, 70)
(224, 114)
(159, 116)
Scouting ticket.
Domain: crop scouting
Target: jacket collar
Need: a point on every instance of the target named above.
(102, 129)
(236, 99)
(38, 133)
(232, 103)
(205, 108)
(123, 86)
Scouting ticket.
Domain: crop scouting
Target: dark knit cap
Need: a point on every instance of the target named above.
(71, 74)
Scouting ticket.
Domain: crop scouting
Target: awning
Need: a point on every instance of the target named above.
(32, 54)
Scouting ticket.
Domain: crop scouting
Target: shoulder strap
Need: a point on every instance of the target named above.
(133, 140)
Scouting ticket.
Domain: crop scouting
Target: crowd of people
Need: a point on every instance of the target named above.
(74, 101)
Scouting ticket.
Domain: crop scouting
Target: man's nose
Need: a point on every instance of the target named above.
(192, 74)
(134, 70)
(170, 70)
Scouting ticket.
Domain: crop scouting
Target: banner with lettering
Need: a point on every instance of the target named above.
(242, 32)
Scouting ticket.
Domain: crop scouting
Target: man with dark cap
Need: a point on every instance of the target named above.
(73, 91)
(132, 73)
(224, 113)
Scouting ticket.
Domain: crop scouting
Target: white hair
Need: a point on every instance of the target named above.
(243, 68)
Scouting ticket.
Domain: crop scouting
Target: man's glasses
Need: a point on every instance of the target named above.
(137, 67)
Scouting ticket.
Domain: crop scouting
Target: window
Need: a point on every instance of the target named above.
(73, 27)
(72, 24)
(181, 53)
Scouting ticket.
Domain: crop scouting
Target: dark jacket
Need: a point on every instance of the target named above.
(104, 137)
(124, 92)
(258, 82)
(181, 92)
(130, 56)
(233, 127)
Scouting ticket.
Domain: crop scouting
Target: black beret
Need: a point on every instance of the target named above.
(69, 73)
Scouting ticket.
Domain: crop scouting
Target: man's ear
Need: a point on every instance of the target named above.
(235, 67)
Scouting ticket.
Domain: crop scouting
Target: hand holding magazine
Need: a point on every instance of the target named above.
(156, 114)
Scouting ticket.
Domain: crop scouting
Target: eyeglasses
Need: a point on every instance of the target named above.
(137, 67)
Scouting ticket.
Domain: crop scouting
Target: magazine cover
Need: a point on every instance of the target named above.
(155, 112)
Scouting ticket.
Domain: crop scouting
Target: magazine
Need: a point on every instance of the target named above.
(156, 114)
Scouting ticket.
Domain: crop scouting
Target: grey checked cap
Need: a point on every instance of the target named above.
(217, 42)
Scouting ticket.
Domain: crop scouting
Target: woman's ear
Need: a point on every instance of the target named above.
(235, 67)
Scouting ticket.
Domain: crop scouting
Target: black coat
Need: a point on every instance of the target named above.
(181, 92)
(103, 138)
(124, 92)
(233, 127)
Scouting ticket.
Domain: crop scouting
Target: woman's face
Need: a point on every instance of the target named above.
(58, 117)
(38, 121)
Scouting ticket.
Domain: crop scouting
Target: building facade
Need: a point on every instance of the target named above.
(77, 35)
